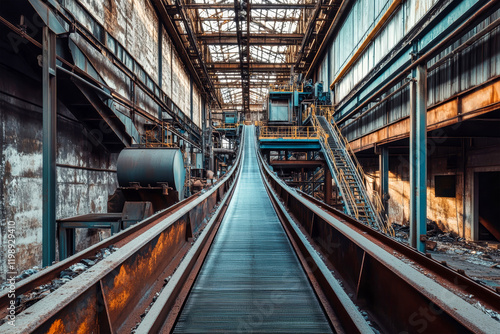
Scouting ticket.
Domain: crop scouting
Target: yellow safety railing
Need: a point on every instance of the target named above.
(228, 126)
(327, 111)
(341, 178)
(376, 200)
(289, 132)
(286, 88)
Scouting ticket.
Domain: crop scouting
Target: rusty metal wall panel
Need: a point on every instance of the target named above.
(130, 30)
(394, 108)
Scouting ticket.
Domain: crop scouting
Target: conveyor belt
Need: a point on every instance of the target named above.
(251, 280)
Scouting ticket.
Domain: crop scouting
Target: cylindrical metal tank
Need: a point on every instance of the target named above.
(148, 166)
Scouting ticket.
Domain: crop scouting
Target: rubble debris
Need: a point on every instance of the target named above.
(25, 274)
(29, 298)
(430, 245)
(489, 312)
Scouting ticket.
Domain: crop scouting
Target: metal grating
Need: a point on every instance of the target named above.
(251, 280)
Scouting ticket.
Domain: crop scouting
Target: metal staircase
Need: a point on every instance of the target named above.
(349, 175)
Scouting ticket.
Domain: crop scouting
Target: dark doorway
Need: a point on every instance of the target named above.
(489, 204)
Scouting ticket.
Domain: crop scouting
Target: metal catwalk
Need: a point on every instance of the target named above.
(251, 280)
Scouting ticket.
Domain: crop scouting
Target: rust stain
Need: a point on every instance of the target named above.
(84, 328)
(437, 117)
(142, 267)
(57, 327)
(119, 298)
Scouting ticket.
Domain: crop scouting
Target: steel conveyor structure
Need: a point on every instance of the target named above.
(252, 255)
(251, 280)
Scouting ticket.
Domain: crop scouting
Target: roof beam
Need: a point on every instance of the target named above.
(256, 39)
(252, 6)
(267, 67)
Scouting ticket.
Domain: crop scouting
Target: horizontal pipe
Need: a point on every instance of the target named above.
(87, 168)
(252, 6)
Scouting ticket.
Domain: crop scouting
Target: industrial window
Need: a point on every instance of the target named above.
(445, 185)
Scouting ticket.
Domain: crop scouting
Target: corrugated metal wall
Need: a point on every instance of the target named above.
(474, 65)
(471, 67)
(360, 21)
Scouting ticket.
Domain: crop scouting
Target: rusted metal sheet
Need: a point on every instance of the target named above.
(462, 107)
(480, 99)
(442, 115)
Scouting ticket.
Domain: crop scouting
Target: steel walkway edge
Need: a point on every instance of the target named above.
(251, 280)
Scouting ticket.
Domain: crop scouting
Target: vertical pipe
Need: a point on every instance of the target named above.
(384, 176)
(210, 141)
(204, 133)
(418, 158)
(413, 171)
(49, 147)
(421, 137)
(191, 97)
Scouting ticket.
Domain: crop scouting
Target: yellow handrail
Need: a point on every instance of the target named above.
(228, 126)
(290, 132)
(377, 201)
(348, 196)
(327, 111)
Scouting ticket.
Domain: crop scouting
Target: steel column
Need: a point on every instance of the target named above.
(49, 146)
(418, 158)
(328, 185)
(384, 176)
(191, 97)
(160, 64)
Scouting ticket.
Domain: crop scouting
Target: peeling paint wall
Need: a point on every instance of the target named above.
(79, 191)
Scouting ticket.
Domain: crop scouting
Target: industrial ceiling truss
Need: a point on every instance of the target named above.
(244, 46)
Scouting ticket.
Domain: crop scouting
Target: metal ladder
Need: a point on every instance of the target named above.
(349, 176)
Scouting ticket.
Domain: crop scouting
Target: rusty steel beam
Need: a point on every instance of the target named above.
(255, 39)
(396, 295)
(253, 66)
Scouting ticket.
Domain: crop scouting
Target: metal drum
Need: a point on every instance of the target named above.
(150, 167)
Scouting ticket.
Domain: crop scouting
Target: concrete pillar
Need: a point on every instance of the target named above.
(384, 176)
(418, 158)
(49, 85)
